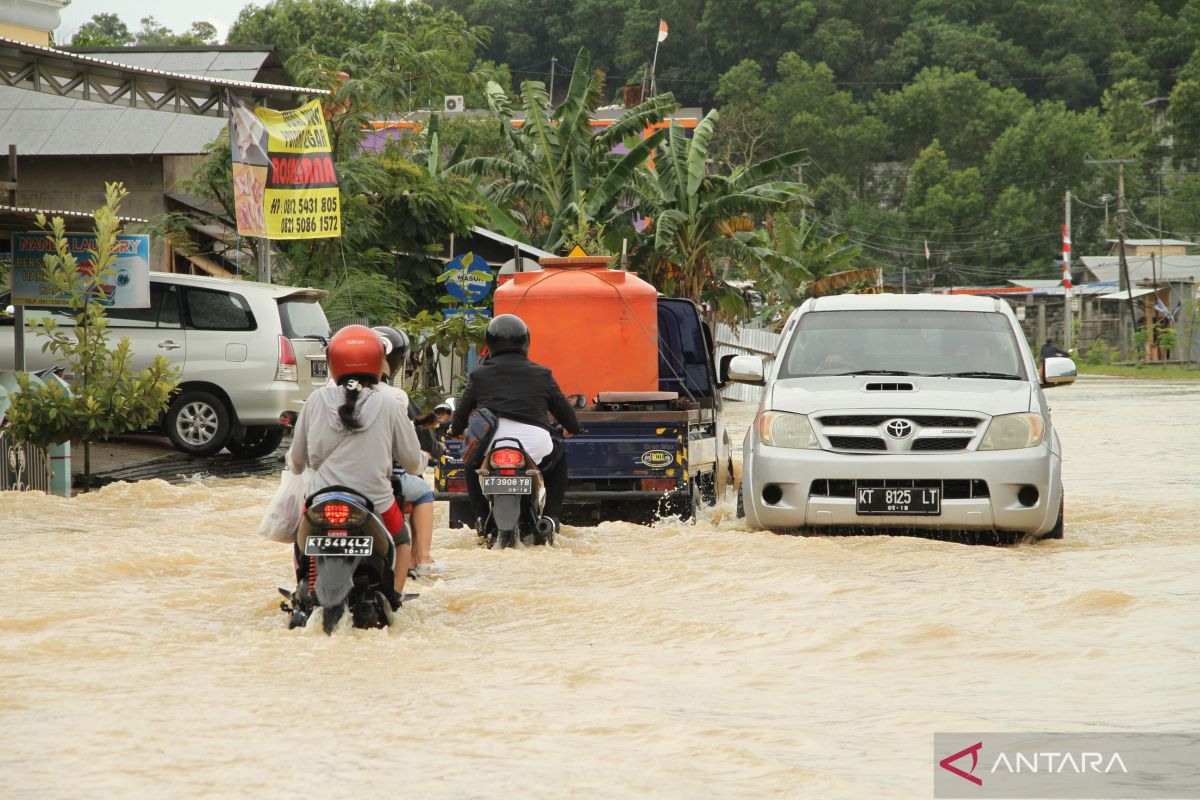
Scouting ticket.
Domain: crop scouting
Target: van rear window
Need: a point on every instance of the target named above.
(303, 318)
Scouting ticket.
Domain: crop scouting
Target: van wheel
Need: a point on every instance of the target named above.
(198, 423)
(256, 442)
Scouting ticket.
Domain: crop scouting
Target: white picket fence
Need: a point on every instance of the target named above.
(745, 340)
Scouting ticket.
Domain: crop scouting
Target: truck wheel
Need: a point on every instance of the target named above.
(256, 442)
(1057, 531)
(684, 507)
(707, 485)
(198, 423)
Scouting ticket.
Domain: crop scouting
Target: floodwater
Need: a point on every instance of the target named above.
(142, 652)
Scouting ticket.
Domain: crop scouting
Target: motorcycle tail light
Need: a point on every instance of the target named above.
(658, 484)
(336, 513)
(507, 457)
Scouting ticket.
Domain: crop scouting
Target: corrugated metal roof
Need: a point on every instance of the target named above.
(240, 65)
(1154, 242)
(1165, 268)
(47, 125)
(29, 213)
(111, 64)
(1124, 295)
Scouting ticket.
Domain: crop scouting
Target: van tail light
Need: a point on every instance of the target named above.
(286, 369)
(507, 457)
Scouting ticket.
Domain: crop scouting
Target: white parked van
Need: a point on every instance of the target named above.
(904, 414)
(247, 352)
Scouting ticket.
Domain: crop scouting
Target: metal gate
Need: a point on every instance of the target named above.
(23, 467)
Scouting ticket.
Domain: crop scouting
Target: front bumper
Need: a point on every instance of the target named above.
(1004, 472)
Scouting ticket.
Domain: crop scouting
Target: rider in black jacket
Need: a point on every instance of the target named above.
(517, 389)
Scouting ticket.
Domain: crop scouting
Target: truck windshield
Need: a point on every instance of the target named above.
(903, 342)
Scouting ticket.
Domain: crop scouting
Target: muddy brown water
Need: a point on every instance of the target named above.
(142, 653)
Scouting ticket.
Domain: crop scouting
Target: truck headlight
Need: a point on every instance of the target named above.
(1013, 432)
(781, 429)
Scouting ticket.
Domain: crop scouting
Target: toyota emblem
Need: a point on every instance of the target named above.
(899, 428)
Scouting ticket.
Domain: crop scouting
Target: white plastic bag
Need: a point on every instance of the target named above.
(283, 512)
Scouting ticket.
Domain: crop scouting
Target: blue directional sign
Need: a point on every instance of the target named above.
(472, 279)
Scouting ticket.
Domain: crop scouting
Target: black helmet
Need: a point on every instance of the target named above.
(395, 346)
(507, 333)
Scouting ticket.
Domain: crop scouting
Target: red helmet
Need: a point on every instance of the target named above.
(355, 350)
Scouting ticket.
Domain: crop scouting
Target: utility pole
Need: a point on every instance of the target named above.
(553, 64)
(1066, 255)
(18, 310)
(1124, 284)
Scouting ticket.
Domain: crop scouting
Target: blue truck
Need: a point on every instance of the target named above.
(642, 454)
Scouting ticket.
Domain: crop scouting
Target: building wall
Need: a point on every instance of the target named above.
(21, 33)
(76, 183)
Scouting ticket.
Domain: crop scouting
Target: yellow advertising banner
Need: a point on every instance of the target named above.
(284, 184)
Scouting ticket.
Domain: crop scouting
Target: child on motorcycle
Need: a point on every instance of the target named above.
(350, 434)
(411, 487)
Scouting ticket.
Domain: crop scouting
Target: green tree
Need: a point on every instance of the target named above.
(811, 113)
(700, 218)
(921, 112)
(102, 30)
(106, 396)
(557, 172)
(794, 253)
(746, 130)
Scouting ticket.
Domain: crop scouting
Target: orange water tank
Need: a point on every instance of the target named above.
(595, 328)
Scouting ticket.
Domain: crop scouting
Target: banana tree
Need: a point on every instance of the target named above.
(702, 223)
(559, 171)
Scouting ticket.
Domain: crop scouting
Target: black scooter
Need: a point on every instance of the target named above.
(345, 559)
(516, 495)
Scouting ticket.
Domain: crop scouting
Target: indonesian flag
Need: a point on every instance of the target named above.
(662, 29)
(1066, 257)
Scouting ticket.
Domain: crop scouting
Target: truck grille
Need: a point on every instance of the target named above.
(953, 489)
(926, 433)
(942, 444)
(857, 443)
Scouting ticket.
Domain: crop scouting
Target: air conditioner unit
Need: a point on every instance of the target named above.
(453, 102)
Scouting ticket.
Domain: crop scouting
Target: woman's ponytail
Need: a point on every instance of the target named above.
(346, 409)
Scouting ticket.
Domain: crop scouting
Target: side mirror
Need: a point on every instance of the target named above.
(744, 369)
(723, 370)
(1058, 371)
(577, 401)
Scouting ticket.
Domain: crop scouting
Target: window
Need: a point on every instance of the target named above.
(919, 342)
(162, 313)
(217, 311)
(303, 318)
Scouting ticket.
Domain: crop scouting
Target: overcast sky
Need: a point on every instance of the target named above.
(175, 14)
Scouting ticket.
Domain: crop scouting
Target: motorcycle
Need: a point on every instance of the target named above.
(345, 559)
(516, 495)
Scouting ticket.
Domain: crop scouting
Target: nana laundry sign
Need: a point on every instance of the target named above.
(125, 284)
(284, 182)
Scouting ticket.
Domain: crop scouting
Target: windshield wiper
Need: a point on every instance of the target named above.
(978, 374)
(876, 372)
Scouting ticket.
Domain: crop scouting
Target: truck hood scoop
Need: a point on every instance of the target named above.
(891, 386)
